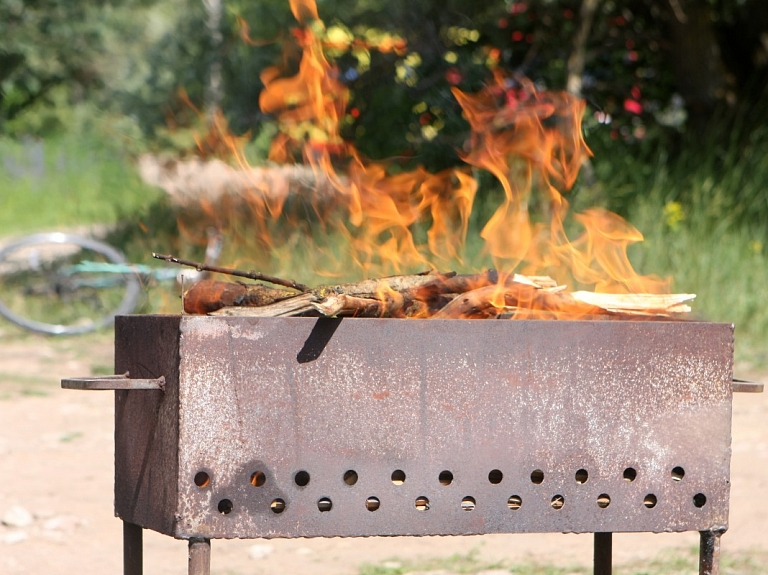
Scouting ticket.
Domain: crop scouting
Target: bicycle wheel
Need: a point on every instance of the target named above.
(48, 284)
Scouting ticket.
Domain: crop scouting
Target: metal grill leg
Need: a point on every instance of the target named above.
(133, 552)
(603, 557)
(709, 552)
(199, 557)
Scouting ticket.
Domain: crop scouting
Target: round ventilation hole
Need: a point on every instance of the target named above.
(277, 506)
(301, 478)
(225, 506)
(372, 503)
(324, 504)
(258, 478)
(202, 479)
(398, 477)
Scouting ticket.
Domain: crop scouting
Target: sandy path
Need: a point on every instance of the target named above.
(56, 461)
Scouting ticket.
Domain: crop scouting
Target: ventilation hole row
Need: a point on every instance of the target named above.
(582, 475)
(515, 502)
(445, 477)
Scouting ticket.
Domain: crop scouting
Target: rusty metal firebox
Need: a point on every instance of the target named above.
(300, 427)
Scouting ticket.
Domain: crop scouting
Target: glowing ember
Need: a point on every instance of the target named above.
(530, 140)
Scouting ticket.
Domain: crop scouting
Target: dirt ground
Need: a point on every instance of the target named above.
(56, 462)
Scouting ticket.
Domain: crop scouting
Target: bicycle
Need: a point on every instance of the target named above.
(65, 284)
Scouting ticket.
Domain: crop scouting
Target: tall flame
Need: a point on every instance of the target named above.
(530, 140)
(376, 210)
(310, 104)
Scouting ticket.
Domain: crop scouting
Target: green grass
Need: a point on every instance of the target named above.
(668, 562)
(34, 393)
(82, 181)
(705, 220)
(460, 563)
(13, 385)
(67, 181)
(70, 436)
(93, 350)
(725, 265)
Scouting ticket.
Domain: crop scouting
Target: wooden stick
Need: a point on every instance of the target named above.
(490, 301)
(469, 305)
(207, 296)
(378, 288)
(233, 272)
(297, 305)
(347, 305)
(635, 301)
(440, 296)
(466, 282)
(393, 296)
(394, 293)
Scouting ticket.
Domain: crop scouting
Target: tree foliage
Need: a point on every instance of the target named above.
(132, 57)
(46, 44)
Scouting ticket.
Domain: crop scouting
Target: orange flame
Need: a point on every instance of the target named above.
(310, 104)
(530, 140)
(378, 209)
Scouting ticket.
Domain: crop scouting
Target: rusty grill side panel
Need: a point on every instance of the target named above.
(306, 427)
(147, 423)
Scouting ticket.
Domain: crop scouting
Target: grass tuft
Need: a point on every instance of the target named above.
(460, 564)
(667, 562)
(66, 182)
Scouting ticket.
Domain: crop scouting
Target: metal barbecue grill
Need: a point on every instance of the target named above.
(231, 427)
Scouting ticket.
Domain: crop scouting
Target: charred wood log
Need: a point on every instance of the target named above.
(429, 294)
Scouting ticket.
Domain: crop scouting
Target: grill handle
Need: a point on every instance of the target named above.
(123, 381)
(744, 386)
(120, 381)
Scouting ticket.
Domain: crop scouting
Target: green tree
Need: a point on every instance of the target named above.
(131, 58)
(45, 44)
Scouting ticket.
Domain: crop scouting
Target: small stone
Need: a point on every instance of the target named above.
(260, 551)
(17, 516)
(391, 565)
(304, 551)
(14, 537)
(62, 523)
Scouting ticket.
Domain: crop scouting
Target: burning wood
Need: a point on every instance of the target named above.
(636, 303)
(429, 296)
(208, 296)
(433, 295)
